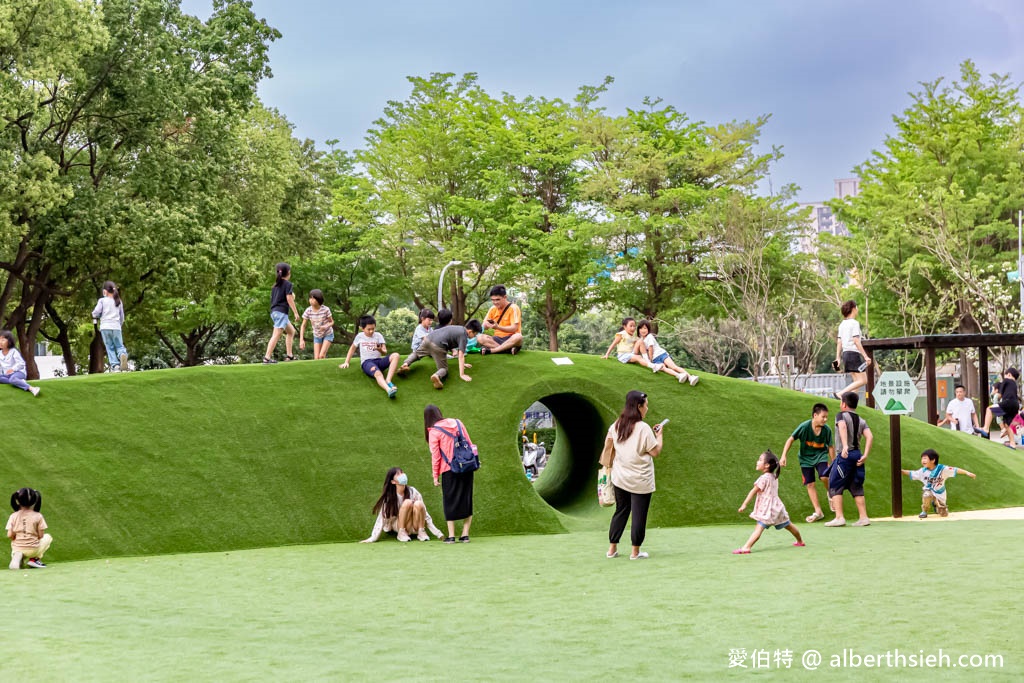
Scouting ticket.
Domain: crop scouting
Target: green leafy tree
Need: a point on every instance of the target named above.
(94, 98)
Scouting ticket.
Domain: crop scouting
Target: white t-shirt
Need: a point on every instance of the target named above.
(652, 343)
(368, 345)
(962, 411)
(849, 329)
(934, 480)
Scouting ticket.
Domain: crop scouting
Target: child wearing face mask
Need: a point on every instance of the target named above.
(400, 509)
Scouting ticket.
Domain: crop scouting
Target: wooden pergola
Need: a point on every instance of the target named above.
(929, 343)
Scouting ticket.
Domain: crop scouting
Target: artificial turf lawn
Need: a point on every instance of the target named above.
(527, 607)
(212, 458)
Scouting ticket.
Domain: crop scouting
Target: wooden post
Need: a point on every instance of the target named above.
(895, 465)
(983, 379)
(870, 389)
(931, 389)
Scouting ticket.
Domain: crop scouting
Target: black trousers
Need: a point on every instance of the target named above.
(627, 503)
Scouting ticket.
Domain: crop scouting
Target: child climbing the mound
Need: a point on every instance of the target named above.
(647, 345)
(26, 529)
(625, 344)
(933, 476)
(768, 508)
(423, 329)
(372, 352)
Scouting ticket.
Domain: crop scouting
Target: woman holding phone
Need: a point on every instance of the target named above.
(632, 445)
(850, 354)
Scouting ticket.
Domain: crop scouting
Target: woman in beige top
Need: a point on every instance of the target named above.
(632, 444)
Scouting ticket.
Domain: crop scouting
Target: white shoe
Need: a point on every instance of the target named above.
(34, 390)
(421, 535)
(612, 556)
(838, 521)
(16, 559)
(403, 536)
(639, 556)
(683, 377)
(124, 362)
(656, 368)
(862, 522)
(693, 380)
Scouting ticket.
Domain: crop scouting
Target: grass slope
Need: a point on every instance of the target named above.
(542, 608)
(219, 458)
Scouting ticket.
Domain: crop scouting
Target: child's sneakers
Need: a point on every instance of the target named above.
(36, 563)
(923, 514)
(421, 535)
(403, 536)
(16, 560)
(124, 362)
(392, 390)
(34, 390)
(656, 368)
(693, 380)
(943, 510)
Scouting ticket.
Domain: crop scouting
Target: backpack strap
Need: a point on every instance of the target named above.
(501, 316)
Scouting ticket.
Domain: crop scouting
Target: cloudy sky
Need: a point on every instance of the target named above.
(831, 74)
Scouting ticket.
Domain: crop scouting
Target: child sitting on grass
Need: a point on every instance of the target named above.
(25, 529)
(647, 345)
(933, 476)
(625, 345)
(372, 352)
(768, 508)
(423, 329)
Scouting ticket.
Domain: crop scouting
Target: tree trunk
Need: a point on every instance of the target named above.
(63, 339)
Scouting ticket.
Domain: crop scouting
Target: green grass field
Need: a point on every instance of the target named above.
(544, 608)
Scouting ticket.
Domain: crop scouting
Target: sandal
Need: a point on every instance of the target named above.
(463, 539)
(811, 519)
(269, 361)
(288, 358)
(449, 540)
(799, 544)
(612, 556)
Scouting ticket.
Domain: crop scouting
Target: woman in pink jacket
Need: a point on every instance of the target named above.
(456, 489)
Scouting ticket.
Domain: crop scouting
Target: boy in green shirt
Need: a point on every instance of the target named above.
(816, 452)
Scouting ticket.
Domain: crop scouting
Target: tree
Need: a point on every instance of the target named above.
(93, 98)
(651, 175)
(937, 204)
(429, 158)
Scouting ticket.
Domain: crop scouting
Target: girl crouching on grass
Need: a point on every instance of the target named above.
(768, 508)
(26, 529)
(12, 365)
(400, 509)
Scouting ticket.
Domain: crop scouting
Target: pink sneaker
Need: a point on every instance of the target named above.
(799, 544)
(741, 551)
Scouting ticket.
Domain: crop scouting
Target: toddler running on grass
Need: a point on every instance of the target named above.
(933, 476)
(372, 352)
(768, 508)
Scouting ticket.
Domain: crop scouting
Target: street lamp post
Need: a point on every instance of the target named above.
(440, 282)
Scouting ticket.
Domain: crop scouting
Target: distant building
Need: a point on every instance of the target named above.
(821, 220)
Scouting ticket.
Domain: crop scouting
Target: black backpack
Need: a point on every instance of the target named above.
(464, 457)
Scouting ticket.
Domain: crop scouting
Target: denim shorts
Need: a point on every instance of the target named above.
(781, 526)
(372, 365)
(280, 319)
(661, 357)
(321, 340)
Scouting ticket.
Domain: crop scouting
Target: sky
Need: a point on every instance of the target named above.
(830, 74)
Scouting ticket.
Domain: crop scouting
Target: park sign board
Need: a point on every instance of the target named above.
(895, 393)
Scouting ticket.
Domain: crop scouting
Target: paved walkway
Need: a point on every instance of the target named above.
(997, 514)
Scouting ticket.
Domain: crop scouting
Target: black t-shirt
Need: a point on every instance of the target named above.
(279, 297)
(1008, 391)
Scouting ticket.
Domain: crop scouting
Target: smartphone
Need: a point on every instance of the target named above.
(661, 425)
(862, 367)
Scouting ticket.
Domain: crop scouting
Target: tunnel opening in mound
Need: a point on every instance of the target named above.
(568, 479)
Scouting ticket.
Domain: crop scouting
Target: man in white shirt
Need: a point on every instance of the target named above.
(960, 412)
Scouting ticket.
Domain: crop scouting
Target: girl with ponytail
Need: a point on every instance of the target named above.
(109, 315)
(768, 508)
(281, 299)
(26, 528)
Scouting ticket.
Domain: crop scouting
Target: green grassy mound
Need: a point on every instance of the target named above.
(217, 458)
